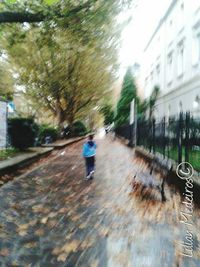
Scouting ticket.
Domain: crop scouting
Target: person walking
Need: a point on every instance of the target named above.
(89, 152)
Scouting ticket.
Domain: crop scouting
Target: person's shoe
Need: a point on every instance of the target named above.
(87, 177)
(92, 175)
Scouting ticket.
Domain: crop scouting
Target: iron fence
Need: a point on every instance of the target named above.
(177, 138)
(124, 131)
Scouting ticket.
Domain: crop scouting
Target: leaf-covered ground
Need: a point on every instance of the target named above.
(50, 216)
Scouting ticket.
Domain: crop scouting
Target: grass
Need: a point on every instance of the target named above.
(194, 156)
(8, 153)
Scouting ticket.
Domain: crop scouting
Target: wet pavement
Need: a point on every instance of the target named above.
(50, 216)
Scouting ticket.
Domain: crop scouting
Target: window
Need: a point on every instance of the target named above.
(198, 46)
(181, 16)
(146, 81)
(151, 75)
(170, 30)
(196, 49)
(158, 74)
(180, 107)
(180, 59)
(170, 67)
(169, 111)
(196, 102)
(182, 7)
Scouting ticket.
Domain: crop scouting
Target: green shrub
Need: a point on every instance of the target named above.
(128, 93)
(47, 130)
(22, 132)
(79, 128)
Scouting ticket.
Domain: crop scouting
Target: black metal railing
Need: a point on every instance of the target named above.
(177, 137)
(124, 131)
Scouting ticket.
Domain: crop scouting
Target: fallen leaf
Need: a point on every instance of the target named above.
(69, 236)
(62, 257)
(40, 208)
(87, 243)
(39, 232)
(63, 210)
(104, 232)
(22, 233)
(33, 222)
(37, 208)
(94, 263)
(51, 223)
(31, 245)
(56, 251)
(71, 247)
(4, 252)
(75, 218)
(16, 264)
(44, 220)
(82, 225)
(23, 227)
(52, 214)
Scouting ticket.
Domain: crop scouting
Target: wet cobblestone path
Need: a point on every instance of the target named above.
(50, 216)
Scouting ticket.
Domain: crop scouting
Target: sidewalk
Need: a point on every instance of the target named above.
(33, 154)
(20, 160)
(63, 143)
(51, 217)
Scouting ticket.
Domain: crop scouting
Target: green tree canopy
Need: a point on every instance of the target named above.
(152, 100)
(67, 62)
(6, 82)
(128, 93)
(71, 13)
(108, 113)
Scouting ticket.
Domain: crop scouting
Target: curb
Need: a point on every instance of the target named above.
(26, 159)
(65, 143)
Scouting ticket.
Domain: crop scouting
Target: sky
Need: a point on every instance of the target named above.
(145, 18)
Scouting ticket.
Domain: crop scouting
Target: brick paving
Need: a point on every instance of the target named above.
(50, 216)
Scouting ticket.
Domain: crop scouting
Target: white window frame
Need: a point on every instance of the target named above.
(180, 58)
(196, 48)
(170, 67)
(158, 74)
(152, 78)
(180, 17)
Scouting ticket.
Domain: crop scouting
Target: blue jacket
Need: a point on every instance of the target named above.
(89, 149)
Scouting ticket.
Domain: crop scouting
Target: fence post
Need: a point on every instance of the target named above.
(153, 132)
(168, 137)
(132, 122)
(187, 129)
(149, 134)
(135, 125)
(131, 127)
(138, 133)
(179, 137)
(164, 137)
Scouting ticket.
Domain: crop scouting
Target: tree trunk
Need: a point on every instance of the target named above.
(59, 115)
(71, 122)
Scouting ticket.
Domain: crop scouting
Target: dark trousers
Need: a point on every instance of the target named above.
(90, 164)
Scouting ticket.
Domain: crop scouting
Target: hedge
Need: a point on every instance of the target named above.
(22, 132)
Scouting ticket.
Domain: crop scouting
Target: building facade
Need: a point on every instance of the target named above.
(172, 60)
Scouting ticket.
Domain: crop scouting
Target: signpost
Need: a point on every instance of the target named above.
(3, 124)
(132, 112)
(133, 123)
